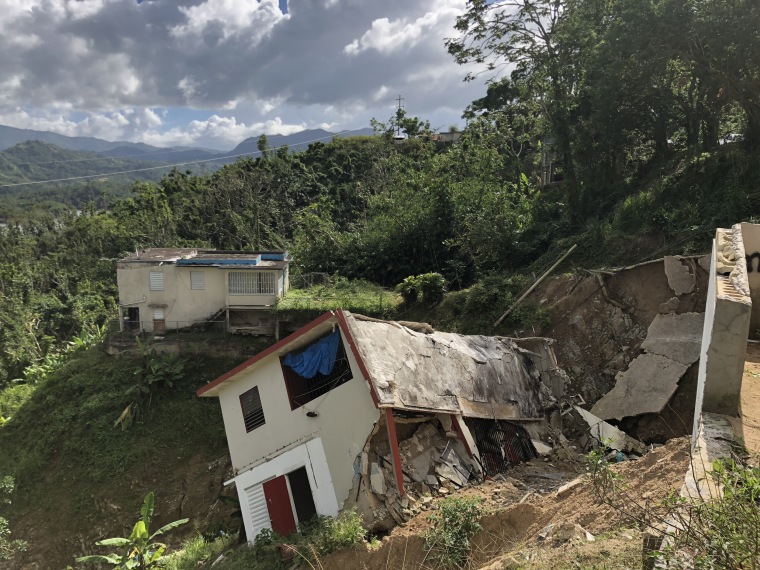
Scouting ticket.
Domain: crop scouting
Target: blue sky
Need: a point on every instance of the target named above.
(213, 72)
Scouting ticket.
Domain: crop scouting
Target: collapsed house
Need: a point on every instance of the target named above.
(354, 412)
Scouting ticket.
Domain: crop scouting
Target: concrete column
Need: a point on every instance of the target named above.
(727, 322)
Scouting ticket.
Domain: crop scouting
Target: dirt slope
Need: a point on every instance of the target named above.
(509, 531)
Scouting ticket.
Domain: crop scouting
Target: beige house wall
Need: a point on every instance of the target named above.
(181, 304)
(346, 416)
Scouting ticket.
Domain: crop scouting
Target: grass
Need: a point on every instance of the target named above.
(316, 538)
(69, 460)
(80, 402)
(357, 296)
(198, 551)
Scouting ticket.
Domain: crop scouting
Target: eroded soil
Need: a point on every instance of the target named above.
(508, 538)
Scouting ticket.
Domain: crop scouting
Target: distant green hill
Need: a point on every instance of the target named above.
(36, 162)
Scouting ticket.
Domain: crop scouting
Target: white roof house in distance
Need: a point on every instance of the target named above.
(350, 411)
(171, 288)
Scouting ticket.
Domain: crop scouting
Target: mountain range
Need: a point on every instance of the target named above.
(11, 136)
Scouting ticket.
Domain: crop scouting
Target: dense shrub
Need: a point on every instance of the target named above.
(427, 287)
(454, 524)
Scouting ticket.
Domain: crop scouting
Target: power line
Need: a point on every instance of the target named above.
(149, 168)
(142, 155)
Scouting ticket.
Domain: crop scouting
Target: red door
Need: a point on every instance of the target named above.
(278, 505)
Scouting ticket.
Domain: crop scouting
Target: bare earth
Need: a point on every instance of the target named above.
(508, 538)
(747, 425)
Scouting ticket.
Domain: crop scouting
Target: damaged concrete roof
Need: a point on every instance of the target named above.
(477, 376)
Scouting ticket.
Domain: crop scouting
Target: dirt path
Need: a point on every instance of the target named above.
(747, 426)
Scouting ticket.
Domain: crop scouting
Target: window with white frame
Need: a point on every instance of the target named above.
(251, 283)
(156, 281)
(197, 280)
(158, 315)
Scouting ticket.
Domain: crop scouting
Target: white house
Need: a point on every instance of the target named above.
(169, 288)
(304, 417)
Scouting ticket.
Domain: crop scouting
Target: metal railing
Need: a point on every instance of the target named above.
(127, 330)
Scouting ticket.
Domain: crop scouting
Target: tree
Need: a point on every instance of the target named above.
(525, 37)
(412, 127)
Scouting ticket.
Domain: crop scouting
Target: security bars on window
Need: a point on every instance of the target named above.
(251, 283)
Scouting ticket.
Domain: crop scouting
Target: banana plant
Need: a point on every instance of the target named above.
(139, 549)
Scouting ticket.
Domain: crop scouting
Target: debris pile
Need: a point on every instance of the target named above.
(434, 463)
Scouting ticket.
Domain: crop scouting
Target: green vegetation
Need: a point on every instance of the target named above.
(454, 523)
(314, 539)
(721, 533)
(198, 551)
(356, 295)
(139, 549)
(631, 102)
(36, 161)
(156, 371)
(427, 288)
(8, 547)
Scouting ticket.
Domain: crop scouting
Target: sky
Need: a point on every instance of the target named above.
(211, 73)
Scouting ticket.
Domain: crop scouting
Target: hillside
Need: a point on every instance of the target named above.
(80, 477)
(78, 474)
(33, 161)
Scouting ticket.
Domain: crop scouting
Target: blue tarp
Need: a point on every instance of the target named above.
(318, 357)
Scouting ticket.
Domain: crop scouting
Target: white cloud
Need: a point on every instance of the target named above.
(189, 87)
(222, 132)
(234, 17)
(79, 9)
(386, 36)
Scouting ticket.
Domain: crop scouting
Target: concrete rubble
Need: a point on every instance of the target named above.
(563, 532)
(672, 345)
(645, 388)
(608, 435)
(434, 463)
(680, 279)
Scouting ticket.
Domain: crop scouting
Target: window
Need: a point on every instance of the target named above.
(251, 283)
(303, 390)
(156, 281)
(253, 413)
(158, 314)
(197, 280)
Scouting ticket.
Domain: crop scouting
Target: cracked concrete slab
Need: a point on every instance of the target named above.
(477, 376)
(609, 435)
(679, 277)
(678, 337)
(645, 388)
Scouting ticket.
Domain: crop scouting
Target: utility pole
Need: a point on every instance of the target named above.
(398, 116)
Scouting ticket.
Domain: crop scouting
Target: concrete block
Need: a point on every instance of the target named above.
(645, 388)
(608, 434)
(679, 277)
(377, 480)
(567, 488)
(679, 337)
